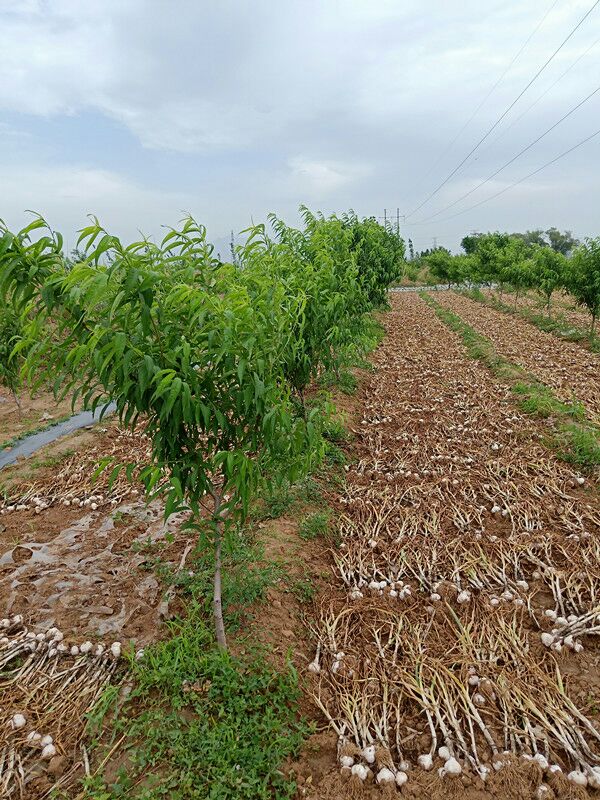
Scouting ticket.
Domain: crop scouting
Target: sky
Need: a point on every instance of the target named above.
(139, 111)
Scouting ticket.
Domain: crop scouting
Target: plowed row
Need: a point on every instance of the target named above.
(571, 371)
(456, 656)
(561, 307)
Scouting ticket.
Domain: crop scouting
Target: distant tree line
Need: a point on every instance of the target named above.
(545, 261)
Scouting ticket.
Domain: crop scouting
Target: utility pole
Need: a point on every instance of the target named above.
(385, 217)
(435, 242)
(399, 217)
(232, 249)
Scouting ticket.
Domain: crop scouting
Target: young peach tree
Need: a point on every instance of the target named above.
(177, 340)
(583, 278)
(10, 362)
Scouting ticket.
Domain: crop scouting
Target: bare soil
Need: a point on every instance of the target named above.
(437, 438)
(35, 412)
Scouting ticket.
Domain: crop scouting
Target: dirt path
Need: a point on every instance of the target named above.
(571, 371)
(459, 531)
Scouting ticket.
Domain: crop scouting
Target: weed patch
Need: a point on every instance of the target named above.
(314, 525)
(212, 725)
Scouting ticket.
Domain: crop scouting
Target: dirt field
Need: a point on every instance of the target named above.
(459, 532)
(35, 412)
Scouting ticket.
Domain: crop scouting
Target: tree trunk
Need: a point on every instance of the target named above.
(593, 325)
(17, 400)
(302, 402)
(217, 599)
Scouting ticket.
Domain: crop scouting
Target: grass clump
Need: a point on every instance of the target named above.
(314, 525)
(345, 381)
(538, 399)
(303, 589)
(581, 445)
(201, 723)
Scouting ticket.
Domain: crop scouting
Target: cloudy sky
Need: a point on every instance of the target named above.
(138, 110)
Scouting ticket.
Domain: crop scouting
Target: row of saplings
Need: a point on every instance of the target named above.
(507, 260)
(214, 357)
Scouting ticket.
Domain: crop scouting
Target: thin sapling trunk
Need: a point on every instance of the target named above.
(17, 400)
(217, 591)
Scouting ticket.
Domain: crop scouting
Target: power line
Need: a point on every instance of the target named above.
(524, 178)
(512, 160)
(490, 91)
(544, 93)
(507, 110)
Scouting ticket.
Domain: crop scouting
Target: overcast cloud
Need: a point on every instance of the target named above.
(136, 110)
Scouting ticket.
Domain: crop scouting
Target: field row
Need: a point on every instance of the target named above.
(572, 372)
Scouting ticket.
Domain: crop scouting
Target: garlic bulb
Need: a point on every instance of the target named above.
(452, 767)
(541, 760)
(48, 752)
(115, 649)
(578, 778)
(594, 777)
(385, 775)
(360, 771)
(369, 754)
(401, 778)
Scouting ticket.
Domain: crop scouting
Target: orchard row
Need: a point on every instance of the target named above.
(214, 357)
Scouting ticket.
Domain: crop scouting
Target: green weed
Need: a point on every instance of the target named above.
(314, 525)
(211, 725)
(303, 590)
